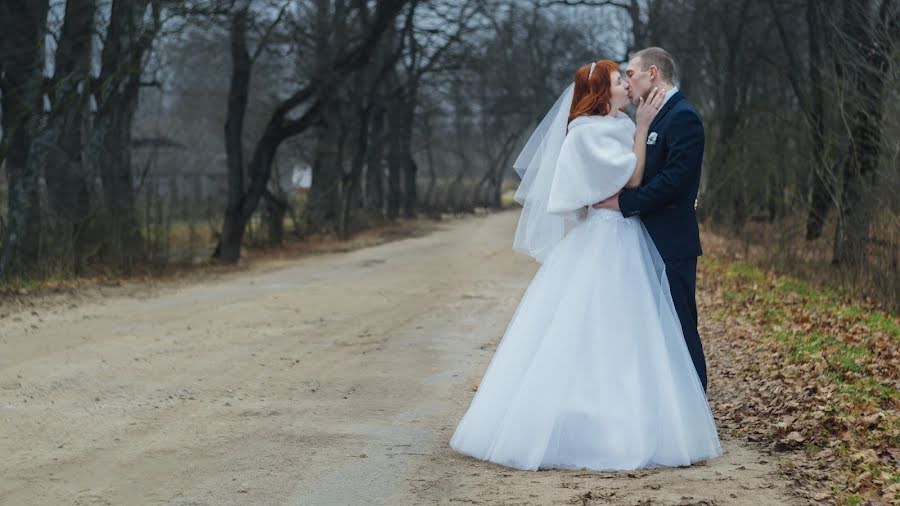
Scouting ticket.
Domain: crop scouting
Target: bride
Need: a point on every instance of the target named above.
(593, 371)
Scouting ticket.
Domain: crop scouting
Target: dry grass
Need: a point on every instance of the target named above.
(804, 371)
(190, 250)
(782, 247)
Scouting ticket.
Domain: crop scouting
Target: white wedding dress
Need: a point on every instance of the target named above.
(592, 371)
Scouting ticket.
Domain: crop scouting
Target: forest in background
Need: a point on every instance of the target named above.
(140, 133)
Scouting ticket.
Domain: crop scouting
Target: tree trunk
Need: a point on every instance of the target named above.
(410, 168)
(727, 205)
(327, 171)
(639, 35)
(822, 192)
(495, 185)
(402, 169)
(351, 182)
(21, 63)
(867, 65)
(126, 43)
(275, 212)
(395, 161)
(411, 191)
(374, 193)
(241, 68)
(260, 171)
(57, 148)
(395, 169)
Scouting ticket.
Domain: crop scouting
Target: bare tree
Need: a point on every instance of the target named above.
(21, 84)
(129, 36)
(867, 43)
(57, 150)
(306, 103)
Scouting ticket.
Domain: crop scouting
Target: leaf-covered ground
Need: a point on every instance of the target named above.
(807, 373)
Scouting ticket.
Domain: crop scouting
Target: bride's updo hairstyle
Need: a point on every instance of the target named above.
(592, 95)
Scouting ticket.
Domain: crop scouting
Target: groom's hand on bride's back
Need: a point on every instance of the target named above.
(609, 203)
(613, 203)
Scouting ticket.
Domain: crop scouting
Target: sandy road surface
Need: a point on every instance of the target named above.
(332, 379)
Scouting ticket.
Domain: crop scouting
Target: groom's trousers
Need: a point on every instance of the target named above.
(682, 274)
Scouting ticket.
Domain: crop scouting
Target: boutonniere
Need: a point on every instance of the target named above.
(651, 139)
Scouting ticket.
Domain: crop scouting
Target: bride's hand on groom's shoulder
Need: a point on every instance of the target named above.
(647, 109)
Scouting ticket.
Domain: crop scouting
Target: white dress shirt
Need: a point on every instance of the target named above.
(669, 95)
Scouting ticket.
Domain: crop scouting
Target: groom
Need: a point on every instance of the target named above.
(666, 198)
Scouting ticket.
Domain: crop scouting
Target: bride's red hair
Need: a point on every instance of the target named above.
(592, 96)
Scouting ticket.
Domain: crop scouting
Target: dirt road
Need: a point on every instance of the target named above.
(331, 379)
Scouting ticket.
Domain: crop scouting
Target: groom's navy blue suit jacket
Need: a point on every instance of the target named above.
(665, 199)
(665, 203)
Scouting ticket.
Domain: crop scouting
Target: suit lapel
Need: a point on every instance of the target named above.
(668, 105)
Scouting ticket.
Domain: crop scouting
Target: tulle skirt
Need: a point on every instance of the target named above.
(593, 371)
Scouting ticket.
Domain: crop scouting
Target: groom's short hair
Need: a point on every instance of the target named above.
(659, 57)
